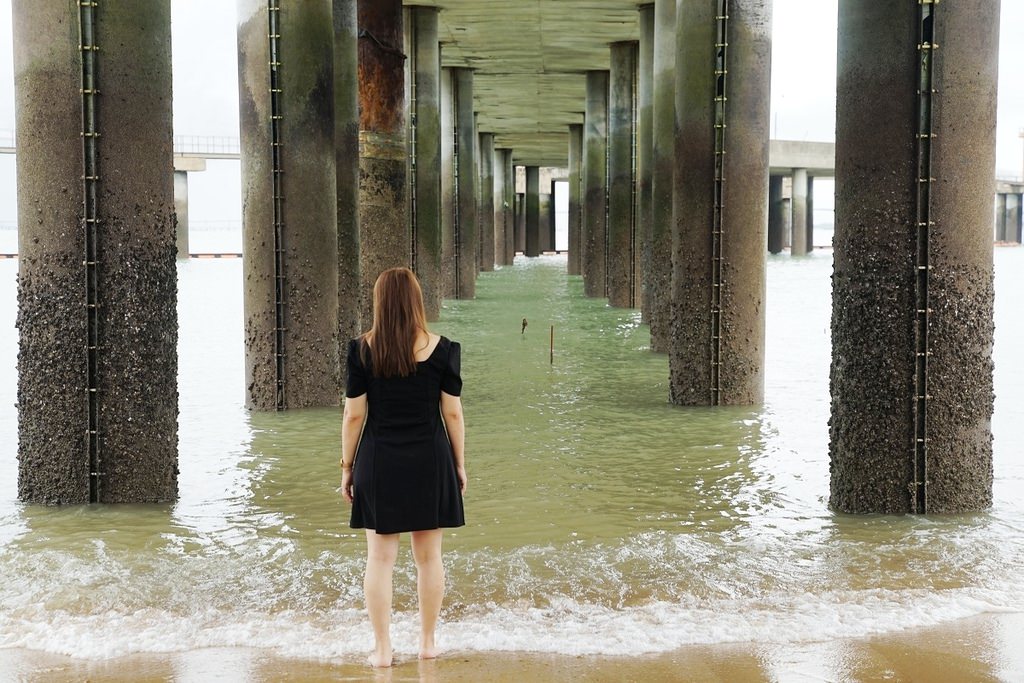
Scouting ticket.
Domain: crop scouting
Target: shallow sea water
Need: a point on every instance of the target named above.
(601, 519)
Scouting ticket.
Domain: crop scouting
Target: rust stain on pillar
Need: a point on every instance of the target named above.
(716, 349)
(385, 240)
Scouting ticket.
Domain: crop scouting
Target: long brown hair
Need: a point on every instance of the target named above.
(398, 317)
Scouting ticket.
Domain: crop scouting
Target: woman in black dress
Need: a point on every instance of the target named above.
(403, 465)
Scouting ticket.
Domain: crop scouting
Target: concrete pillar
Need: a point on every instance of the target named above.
(1001, 217)
(575, 196)
(547, 219)
(97, 304)
(809, 240)
(644, 167)
(507, 201)
(520, 236)
(787, 214)
(449, 275)
(1013, 228)
(488, 205)
(467, 235)
(289, 207)
(798, 241)
(621, 177)
(509, 208)
(384, 235)
(346, 163)
(595, 186)
(885, 339)
(426, 65)
(716, 353)
(502, 207)
(776, 214)
(658, 271)
(532, 211)
(181, 213)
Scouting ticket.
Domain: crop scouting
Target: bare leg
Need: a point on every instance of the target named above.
(381, 551)
(426, 549)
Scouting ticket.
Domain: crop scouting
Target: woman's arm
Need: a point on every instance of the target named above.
(451, 412)
(351, 427)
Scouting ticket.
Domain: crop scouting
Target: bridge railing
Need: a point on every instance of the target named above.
(201, 145)
(197, 145)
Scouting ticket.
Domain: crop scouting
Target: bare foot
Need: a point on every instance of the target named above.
(379, 659)
(428, 650)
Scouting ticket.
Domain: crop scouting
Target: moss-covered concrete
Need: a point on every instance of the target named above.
(136, 370)
(385, 238)
(346, 160)
(308, 212)
(595, 186)
(874, 347)
(744, 218)
(621, 178)
(428, 155)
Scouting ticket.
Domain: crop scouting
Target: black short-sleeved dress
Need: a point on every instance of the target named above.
(404, 474)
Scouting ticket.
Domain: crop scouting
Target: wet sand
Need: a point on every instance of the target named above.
(984, 648)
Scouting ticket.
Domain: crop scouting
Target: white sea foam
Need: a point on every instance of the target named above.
(566, 626)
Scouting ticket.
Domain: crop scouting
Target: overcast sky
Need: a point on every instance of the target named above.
(803, 86)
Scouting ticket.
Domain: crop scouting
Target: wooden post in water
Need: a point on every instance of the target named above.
(551, 358)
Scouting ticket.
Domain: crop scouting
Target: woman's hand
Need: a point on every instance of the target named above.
(346, 484)
(460, 472)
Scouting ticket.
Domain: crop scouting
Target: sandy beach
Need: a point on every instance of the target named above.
(984, 648)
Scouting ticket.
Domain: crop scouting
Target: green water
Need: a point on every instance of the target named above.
(597, 513)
